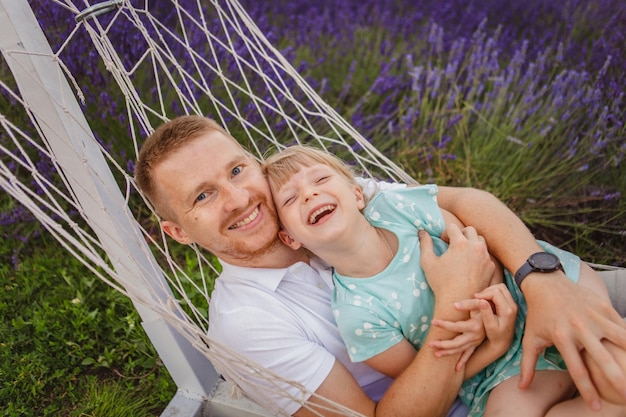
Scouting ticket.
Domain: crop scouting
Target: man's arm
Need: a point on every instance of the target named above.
(560, 313)
(428, 387)
(430, 384)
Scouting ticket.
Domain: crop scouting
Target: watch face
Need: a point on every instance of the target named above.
(544, 260)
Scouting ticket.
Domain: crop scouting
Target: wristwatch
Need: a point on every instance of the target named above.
(538, 262)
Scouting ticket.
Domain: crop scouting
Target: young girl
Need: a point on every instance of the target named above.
(383, 303)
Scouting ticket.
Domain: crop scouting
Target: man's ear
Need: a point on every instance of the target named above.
(360, 199)
(176, 232)
(288, 240)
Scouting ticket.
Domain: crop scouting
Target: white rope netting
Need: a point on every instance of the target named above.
(202, 57)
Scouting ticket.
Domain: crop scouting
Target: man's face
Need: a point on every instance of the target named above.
(220, 200)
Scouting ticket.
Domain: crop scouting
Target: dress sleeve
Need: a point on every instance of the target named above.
(366, 327)
(371, 186)
(414, 207)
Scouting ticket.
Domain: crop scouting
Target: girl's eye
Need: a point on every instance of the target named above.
(288, 200)
(322, 179)
(237, 170)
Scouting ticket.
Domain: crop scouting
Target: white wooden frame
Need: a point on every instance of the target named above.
(201, 391)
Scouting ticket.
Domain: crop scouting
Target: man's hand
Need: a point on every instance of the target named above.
(560, 312)
(575, 320)
(464, 269)
(607, 391)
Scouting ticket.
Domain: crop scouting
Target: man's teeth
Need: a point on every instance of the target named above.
(247, 220)
(313, 217)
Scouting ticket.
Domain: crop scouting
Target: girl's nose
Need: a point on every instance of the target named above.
(310, 193)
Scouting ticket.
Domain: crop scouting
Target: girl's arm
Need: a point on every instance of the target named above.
(499, 322)
(495, 312)
(394, 360)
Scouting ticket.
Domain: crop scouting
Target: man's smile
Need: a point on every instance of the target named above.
(247, 220)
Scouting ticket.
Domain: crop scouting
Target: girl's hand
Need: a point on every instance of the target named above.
(499, 313)
(471, 331)
(492, 315)
(472, 334)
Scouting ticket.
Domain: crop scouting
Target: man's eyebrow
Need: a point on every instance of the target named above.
(196, 190)
(237, 160)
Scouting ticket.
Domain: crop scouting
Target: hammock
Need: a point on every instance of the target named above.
(206, 58)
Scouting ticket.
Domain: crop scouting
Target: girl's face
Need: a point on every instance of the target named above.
(315, 206)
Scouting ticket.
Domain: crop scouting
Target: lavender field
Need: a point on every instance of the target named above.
(524, 100)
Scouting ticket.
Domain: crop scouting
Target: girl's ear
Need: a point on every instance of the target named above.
(176, 232)
(360, 199)
(288, 240)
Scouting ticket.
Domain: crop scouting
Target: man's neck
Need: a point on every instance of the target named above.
(283, 257)
(278, 256)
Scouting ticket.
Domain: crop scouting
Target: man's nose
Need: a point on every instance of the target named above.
(235, 197)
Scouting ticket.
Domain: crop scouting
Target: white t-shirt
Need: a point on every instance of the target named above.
(281, 319)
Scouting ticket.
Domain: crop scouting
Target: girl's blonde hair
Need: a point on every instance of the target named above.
(281, 166)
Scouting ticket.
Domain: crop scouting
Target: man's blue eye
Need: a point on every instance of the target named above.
(237, 170)
(201, 197)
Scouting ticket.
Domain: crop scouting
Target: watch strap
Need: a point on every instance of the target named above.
(522, 273)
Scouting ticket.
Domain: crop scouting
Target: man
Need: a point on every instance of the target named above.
(271, 304)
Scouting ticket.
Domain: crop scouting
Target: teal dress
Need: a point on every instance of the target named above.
(375, 313)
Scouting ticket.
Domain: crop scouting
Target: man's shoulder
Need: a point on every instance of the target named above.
(235, 308)
(247, 291)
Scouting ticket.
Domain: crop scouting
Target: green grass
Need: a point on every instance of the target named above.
(69, 344)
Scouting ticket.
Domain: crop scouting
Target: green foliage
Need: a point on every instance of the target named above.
(538, 135)
(65, 334)
(117, 399)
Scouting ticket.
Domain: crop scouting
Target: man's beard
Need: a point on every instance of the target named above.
(243, 251)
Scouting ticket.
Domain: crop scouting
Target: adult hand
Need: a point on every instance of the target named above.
(576, 320)
(607, 391)
(466, 257)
